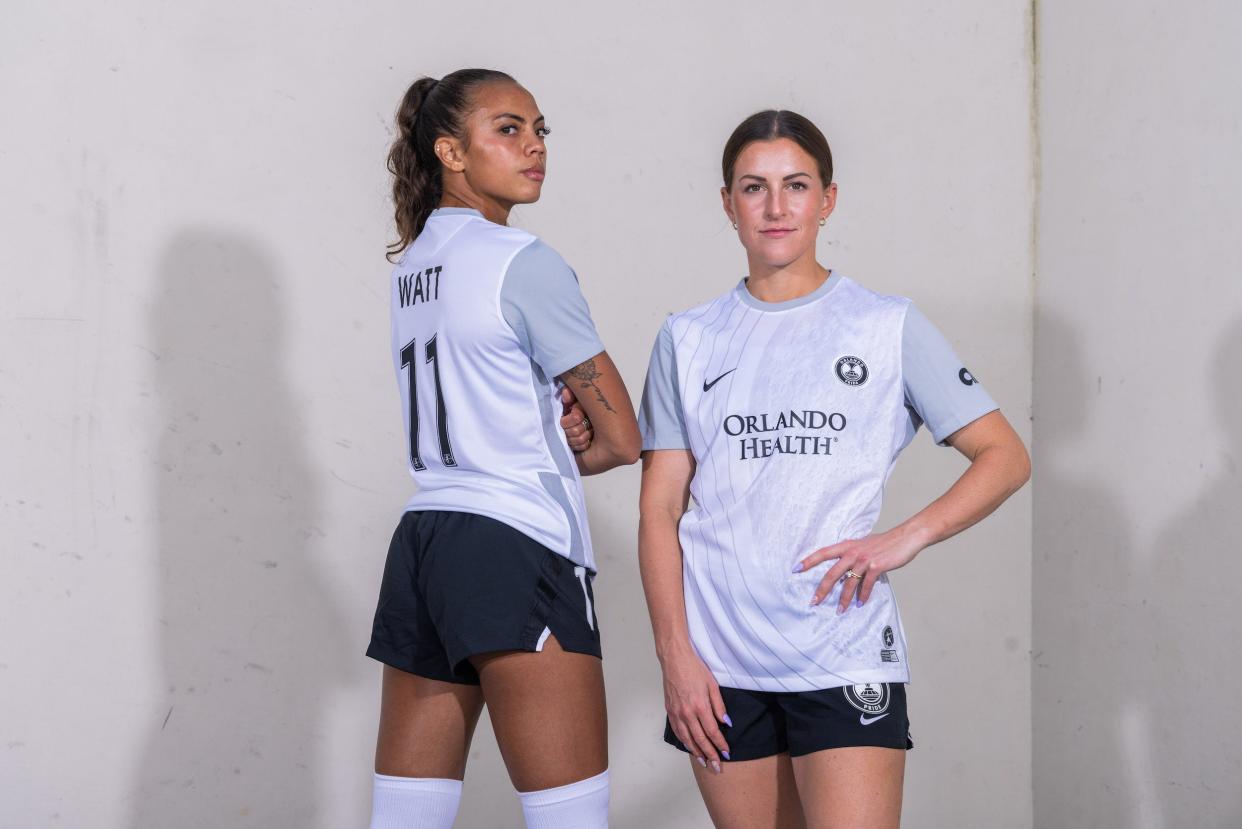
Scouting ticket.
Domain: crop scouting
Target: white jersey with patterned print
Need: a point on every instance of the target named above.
(484, 319)
(795, 413)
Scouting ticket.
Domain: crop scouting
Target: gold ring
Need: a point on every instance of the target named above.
(850, 574)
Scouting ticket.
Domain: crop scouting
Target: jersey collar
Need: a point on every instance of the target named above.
(747, 297)
(455, 211)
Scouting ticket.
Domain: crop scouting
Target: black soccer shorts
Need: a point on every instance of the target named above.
(458, 584)
(766, 723)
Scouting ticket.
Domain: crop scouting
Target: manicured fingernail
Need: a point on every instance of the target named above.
(725, 719)
(716, 766)
(798, 567)
(858, 603)
(725, 755)
(702, 762)
(840, 610)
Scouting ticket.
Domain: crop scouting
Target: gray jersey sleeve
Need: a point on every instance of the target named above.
(543, 304)
(660, 417)
(940, 391)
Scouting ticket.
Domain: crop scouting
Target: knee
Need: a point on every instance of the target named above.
(581, 805)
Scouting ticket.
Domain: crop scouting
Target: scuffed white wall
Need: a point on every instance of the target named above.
(201, 442)
(1138, 500)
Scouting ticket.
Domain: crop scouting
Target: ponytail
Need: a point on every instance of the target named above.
(430, 109)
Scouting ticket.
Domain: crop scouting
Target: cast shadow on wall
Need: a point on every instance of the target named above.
(1135, 724)
(1081, 641)
(1191, 628)
(251, 639)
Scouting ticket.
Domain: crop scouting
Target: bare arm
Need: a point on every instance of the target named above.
(691, 694)
(663, 499)
(999, 466)
(602, 395)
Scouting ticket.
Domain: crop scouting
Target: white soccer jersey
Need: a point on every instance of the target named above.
(484, 318)
(795, 413)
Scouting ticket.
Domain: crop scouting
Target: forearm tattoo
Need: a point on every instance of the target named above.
(586, 375)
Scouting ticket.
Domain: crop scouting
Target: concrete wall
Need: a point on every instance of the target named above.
(201, 439)
(1137, 438)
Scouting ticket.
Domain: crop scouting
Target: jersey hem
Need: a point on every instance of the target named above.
(507, 520)
(597, 349)
(808, 683)
(664, 444)
(961, 423)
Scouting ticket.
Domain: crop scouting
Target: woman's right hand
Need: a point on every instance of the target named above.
(695, 708)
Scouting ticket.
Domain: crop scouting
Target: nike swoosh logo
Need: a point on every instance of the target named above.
(865, 720)
(707, 386)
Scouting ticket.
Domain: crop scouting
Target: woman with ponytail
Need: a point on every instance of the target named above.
(486, 593)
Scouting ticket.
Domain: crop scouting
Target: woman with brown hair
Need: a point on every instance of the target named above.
(781, 407)
(486, 594)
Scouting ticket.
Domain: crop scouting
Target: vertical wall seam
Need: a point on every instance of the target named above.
(1036, 198)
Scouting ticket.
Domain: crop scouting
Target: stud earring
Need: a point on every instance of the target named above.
(735, 225)
(823, 222)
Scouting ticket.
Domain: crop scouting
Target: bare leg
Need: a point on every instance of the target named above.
(548, 713)
(851, 788)
(751, 794)
(425, 726)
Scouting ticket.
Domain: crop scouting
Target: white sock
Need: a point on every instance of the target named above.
(581, 805)
(406, 802)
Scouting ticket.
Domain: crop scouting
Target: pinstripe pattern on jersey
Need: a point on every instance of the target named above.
(751, 518)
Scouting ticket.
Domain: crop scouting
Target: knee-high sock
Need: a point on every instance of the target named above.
(581, 805)
(405, 802)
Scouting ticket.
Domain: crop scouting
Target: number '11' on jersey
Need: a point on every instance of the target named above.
(408, 354)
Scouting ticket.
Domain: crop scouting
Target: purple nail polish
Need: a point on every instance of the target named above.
(727, 721)
(798, 567)
(725, 755)
(702, 762)
(716, 766)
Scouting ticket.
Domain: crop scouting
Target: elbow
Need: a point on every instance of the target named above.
(630, 449)
(1021, 468)
(619, 453)
(1010, 465)
(633, 450)
(627, 455)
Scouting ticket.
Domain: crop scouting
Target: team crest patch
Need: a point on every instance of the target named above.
(966, 377)
(852, 371)
(888, 653)
(871, 698)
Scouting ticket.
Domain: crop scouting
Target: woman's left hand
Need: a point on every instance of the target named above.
(577, 425)
(860, 563)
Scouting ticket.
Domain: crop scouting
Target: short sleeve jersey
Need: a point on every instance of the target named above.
(795, 413)
(484, 319)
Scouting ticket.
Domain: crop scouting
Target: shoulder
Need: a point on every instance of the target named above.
(476, 238)
(701, 315)
(535, 256)
(866, 299)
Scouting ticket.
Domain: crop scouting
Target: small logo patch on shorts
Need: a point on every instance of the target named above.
(870, 698)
